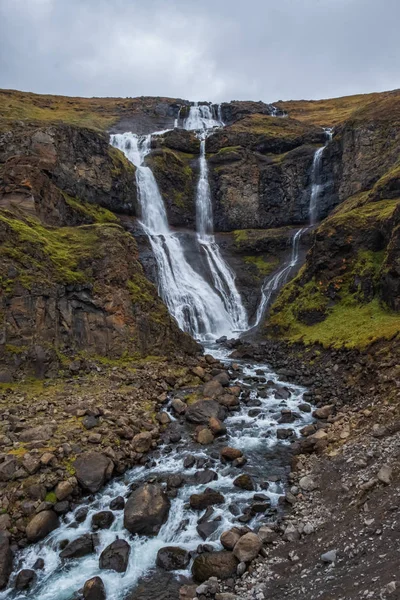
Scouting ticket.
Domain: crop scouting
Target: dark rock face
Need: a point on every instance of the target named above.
(172, 558)
(214, 564)
(79, 547)
(6, 560)
(146, 510)
(103, 520)
(41, 524)
(208, 498)
(115, 557)
(93, 469)
(94, 589)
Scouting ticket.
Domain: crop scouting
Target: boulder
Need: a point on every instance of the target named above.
(6, 560)
(142, 442)
(93, 469)
(201, 412)
(267, 535)
(324, 412)
(212, 389)
(178, 406)
(25, 579)
(146, 510)
(8, 469)
(308, 484)
(221, 564)
(222, 378)
(216, 426)
(208, 498)
(64, 489)
(205, 436)
(103, 519)
(247, 547)
(228, 400)
(42, 433)
(115, 557)
(117, 503)
(230, 538)
(80, 547)
(205, 476)
(230, 454)
(207, 528)
(94, 589)
(172, 558)
(244, 482)
(41, 525)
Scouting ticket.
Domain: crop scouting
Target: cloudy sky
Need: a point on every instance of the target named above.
(200, 49)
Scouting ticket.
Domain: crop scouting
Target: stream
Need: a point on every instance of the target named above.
(252, 428)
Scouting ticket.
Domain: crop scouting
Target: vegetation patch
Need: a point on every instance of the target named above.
(97, 214)
(264, 264)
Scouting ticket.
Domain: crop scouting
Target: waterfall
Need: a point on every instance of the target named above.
(194, 304)
(201, 120)
(317, 187)
(280, 278)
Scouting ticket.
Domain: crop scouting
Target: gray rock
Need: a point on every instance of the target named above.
(146, 510)
(172, 558)
(385, 474)
(41, 525)
(6, 560)
(329, 557)
(308, 484)
(116, 556)
(93, 469)
(201, 412)
(247, 547)
(80, 547)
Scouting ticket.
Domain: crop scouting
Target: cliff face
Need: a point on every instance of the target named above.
(70, 277)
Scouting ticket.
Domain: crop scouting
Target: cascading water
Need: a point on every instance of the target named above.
(317, 187)
(197, 308)
(201, 120)
(273, 284)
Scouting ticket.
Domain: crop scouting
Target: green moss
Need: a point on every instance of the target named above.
(120, 163)
(240, 235)
(68, 464)
(145, 298)
(51, 497)
(96, 214)
(11, 349)
(264, 265)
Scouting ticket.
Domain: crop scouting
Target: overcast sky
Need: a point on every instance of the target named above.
(200, 49)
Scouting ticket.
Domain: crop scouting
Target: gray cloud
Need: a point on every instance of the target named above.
(204, 49)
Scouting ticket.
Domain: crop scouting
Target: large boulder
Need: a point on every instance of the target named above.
(212, 389)
(201, 412)
(221, 564)
(80, 547)
(230, 538)
(172, 558)
(25, 579)
(247, 547)
(208, 498)
(41, 525)
(103, 519)
(230, 454)
(116, 556)
(244, 481)
(6, 560)
(93, 469)
(146, 510)
(94, 589)
(142, 442)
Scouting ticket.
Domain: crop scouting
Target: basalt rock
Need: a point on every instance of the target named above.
(116, 556)
(172, 558)
(146, 510)
(93, 469)
(214, 564)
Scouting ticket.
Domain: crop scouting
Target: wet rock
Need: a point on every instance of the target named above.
(61, 508)
(212, 389)
(94, 589)
(282, 393)
(103, 519)
(93, 469)
(116, 556)
(207, 528)
(230, 538)
(201, 412)
(146, 510)
(38, 565)
(231, 454)
(205, 476)
(118, 503)
(25, 579)
(208, 498)
(306, 408)
(221, 564)
(80, 547)
(41, 524)
(81, 514)
(175, 481)
(172, 558)
(222, 378)
(178, 406)
(244, 482)
(216, 426)
(189, 461)
(205, 436)
(284, 434)
(6, 560)
(247, 548)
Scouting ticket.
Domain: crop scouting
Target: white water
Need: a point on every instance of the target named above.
(254, 435)
(196, 306)
(201, 120)
(316, 187)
